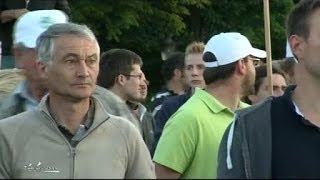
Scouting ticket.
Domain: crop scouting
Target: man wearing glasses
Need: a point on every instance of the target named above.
(120, 72)
(188, 146)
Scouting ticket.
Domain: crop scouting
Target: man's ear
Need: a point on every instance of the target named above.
(177, 73)
(296, 45)
(121, 79)
(241, 67)
(42, 69)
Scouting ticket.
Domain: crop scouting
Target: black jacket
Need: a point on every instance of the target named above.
(245, 149)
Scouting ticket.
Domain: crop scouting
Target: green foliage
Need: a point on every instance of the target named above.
(142, 25)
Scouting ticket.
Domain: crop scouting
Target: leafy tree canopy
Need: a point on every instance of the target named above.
(142, 25)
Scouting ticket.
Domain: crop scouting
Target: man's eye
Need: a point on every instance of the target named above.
(91, 61)
(70, 61)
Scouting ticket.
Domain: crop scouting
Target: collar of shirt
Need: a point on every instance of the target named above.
(288, 97)
(138, 109)
(215, 105)
(86, 123)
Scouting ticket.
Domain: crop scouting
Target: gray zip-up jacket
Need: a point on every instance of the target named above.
(245, 149)
(32, 146)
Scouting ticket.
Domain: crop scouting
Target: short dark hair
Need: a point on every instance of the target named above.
(287, 66)
(174, 61)
(114, 62)
(299, 18)
(213, 74)
(261, 73)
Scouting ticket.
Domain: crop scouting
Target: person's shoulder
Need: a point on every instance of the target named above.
(6, 98)
(162, 94)
(8, 106)
(122, 124)
(111, 102)
(262, 109)
(177, 99)
(25, 120)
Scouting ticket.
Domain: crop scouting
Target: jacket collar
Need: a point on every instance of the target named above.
(100, 114)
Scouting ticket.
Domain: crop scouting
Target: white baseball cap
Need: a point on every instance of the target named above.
(30, 25)
(230, 47)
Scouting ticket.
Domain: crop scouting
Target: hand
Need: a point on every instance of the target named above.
(19, 12)
(7, 15)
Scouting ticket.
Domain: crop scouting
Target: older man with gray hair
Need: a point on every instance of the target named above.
(70, 134)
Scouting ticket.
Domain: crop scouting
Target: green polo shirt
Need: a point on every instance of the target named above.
(190, 140)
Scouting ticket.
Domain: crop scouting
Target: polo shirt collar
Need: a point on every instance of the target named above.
(213, 104)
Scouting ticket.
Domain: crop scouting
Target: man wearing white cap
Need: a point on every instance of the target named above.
(189, 144)
(29, 92)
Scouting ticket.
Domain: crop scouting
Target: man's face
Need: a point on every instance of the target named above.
(25, 59)
(194, 67)
(135, 86)
(249, 78)
(278, 84)
(309, 50)
(74, 68)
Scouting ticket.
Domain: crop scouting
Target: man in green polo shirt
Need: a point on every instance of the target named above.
(188, 147)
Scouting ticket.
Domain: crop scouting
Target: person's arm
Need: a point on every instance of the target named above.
(160, 119)
(176, 146)
(12, 14)
(4, 157)
(140, 165)
(163, 172)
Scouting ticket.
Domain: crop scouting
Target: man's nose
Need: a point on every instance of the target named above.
(82, 69)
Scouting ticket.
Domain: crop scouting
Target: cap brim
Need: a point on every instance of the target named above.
(258, 53)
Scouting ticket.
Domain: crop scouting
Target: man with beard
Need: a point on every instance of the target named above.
(70, 135)
(190, 140)
(120, 72)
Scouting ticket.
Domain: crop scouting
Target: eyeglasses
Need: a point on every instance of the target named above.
(255, 61)
(139, 76)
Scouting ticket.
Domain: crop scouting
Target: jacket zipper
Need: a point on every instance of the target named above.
(73, 149)
(73, 153)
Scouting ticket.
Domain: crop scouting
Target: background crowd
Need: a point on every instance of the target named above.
(71, 108)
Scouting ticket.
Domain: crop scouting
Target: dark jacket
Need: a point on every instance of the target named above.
(245, 149)
(159, 98)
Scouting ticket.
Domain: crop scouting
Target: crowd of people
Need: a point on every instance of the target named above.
(76, 111)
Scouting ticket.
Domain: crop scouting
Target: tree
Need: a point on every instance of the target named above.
(142, 25)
